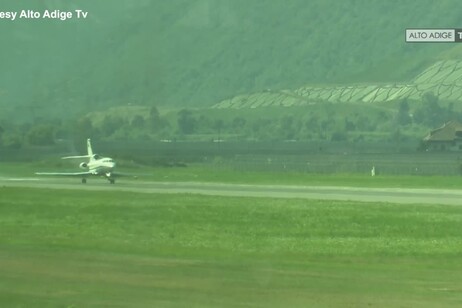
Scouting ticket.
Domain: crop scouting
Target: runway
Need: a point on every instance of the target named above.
(391, 195)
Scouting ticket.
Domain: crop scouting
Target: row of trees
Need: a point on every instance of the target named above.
(329, 124)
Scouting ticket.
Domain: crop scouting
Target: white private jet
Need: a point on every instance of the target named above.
(96, 165)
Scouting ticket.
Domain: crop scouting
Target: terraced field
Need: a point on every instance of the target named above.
(444, 79)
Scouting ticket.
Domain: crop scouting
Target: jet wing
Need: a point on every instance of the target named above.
(66, 173)
(120, 175)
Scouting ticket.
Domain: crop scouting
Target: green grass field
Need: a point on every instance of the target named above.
(227, 175)
(210, 173)
(98, 249)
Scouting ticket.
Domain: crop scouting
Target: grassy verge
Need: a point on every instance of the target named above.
(209, 173)
(224, 175)
(64, 248)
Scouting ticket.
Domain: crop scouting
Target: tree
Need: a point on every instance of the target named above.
(339, 136)
(396, 136)
(218, 126)
(403, 118)
(1, 134)
(238, 124)
(430, 112)
(154, 119)
(83, 129)
(349, 125)
(186, 122)
(42, 134)
(286, 127)
(138, 122)
(111, 124)
(12, 141)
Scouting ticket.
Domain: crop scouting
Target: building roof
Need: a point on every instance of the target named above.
(448, 132)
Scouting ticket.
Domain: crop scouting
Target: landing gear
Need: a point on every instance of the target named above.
(110, 178)
(84, 181)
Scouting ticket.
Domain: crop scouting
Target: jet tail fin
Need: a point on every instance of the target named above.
(89, 149)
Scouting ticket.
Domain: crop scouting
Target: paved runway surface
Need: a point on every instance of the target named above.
(392, 195)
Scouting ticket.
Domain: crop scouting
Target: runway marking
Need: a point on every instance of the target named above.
(19, 179)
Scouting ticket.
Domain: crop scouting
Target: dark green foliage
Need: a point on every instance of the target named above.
(432, 113)
(111, 124)
(186, 122)
(83, 129)
(138, 122)
(286, 128)
(218, 125)
(339, 136)
(349, 125)
(42, 134)
(331, 122)
(238, 125)
(403, 117)
(154, 118)
(12, 141)
(2, 131)
(429, 112)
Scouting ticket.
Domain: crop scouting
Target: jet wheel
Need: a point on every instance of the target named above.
(112, 181)
(84, 181)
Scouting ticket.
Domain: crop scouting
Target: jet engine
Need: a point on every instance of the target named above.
(83, 165)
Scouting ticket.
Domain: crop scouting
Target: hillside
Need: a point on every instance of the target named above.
(443, 79)
(198, 53)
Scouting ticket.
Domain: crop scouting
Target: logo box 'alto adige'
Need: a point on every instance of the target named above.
(433, 35)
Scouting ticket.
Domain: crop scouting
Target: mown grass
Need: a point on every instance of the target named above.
(75, 249)
(200, 173)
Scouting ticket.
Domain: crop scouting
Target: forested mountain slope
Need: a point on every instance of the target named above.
(197, 53)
